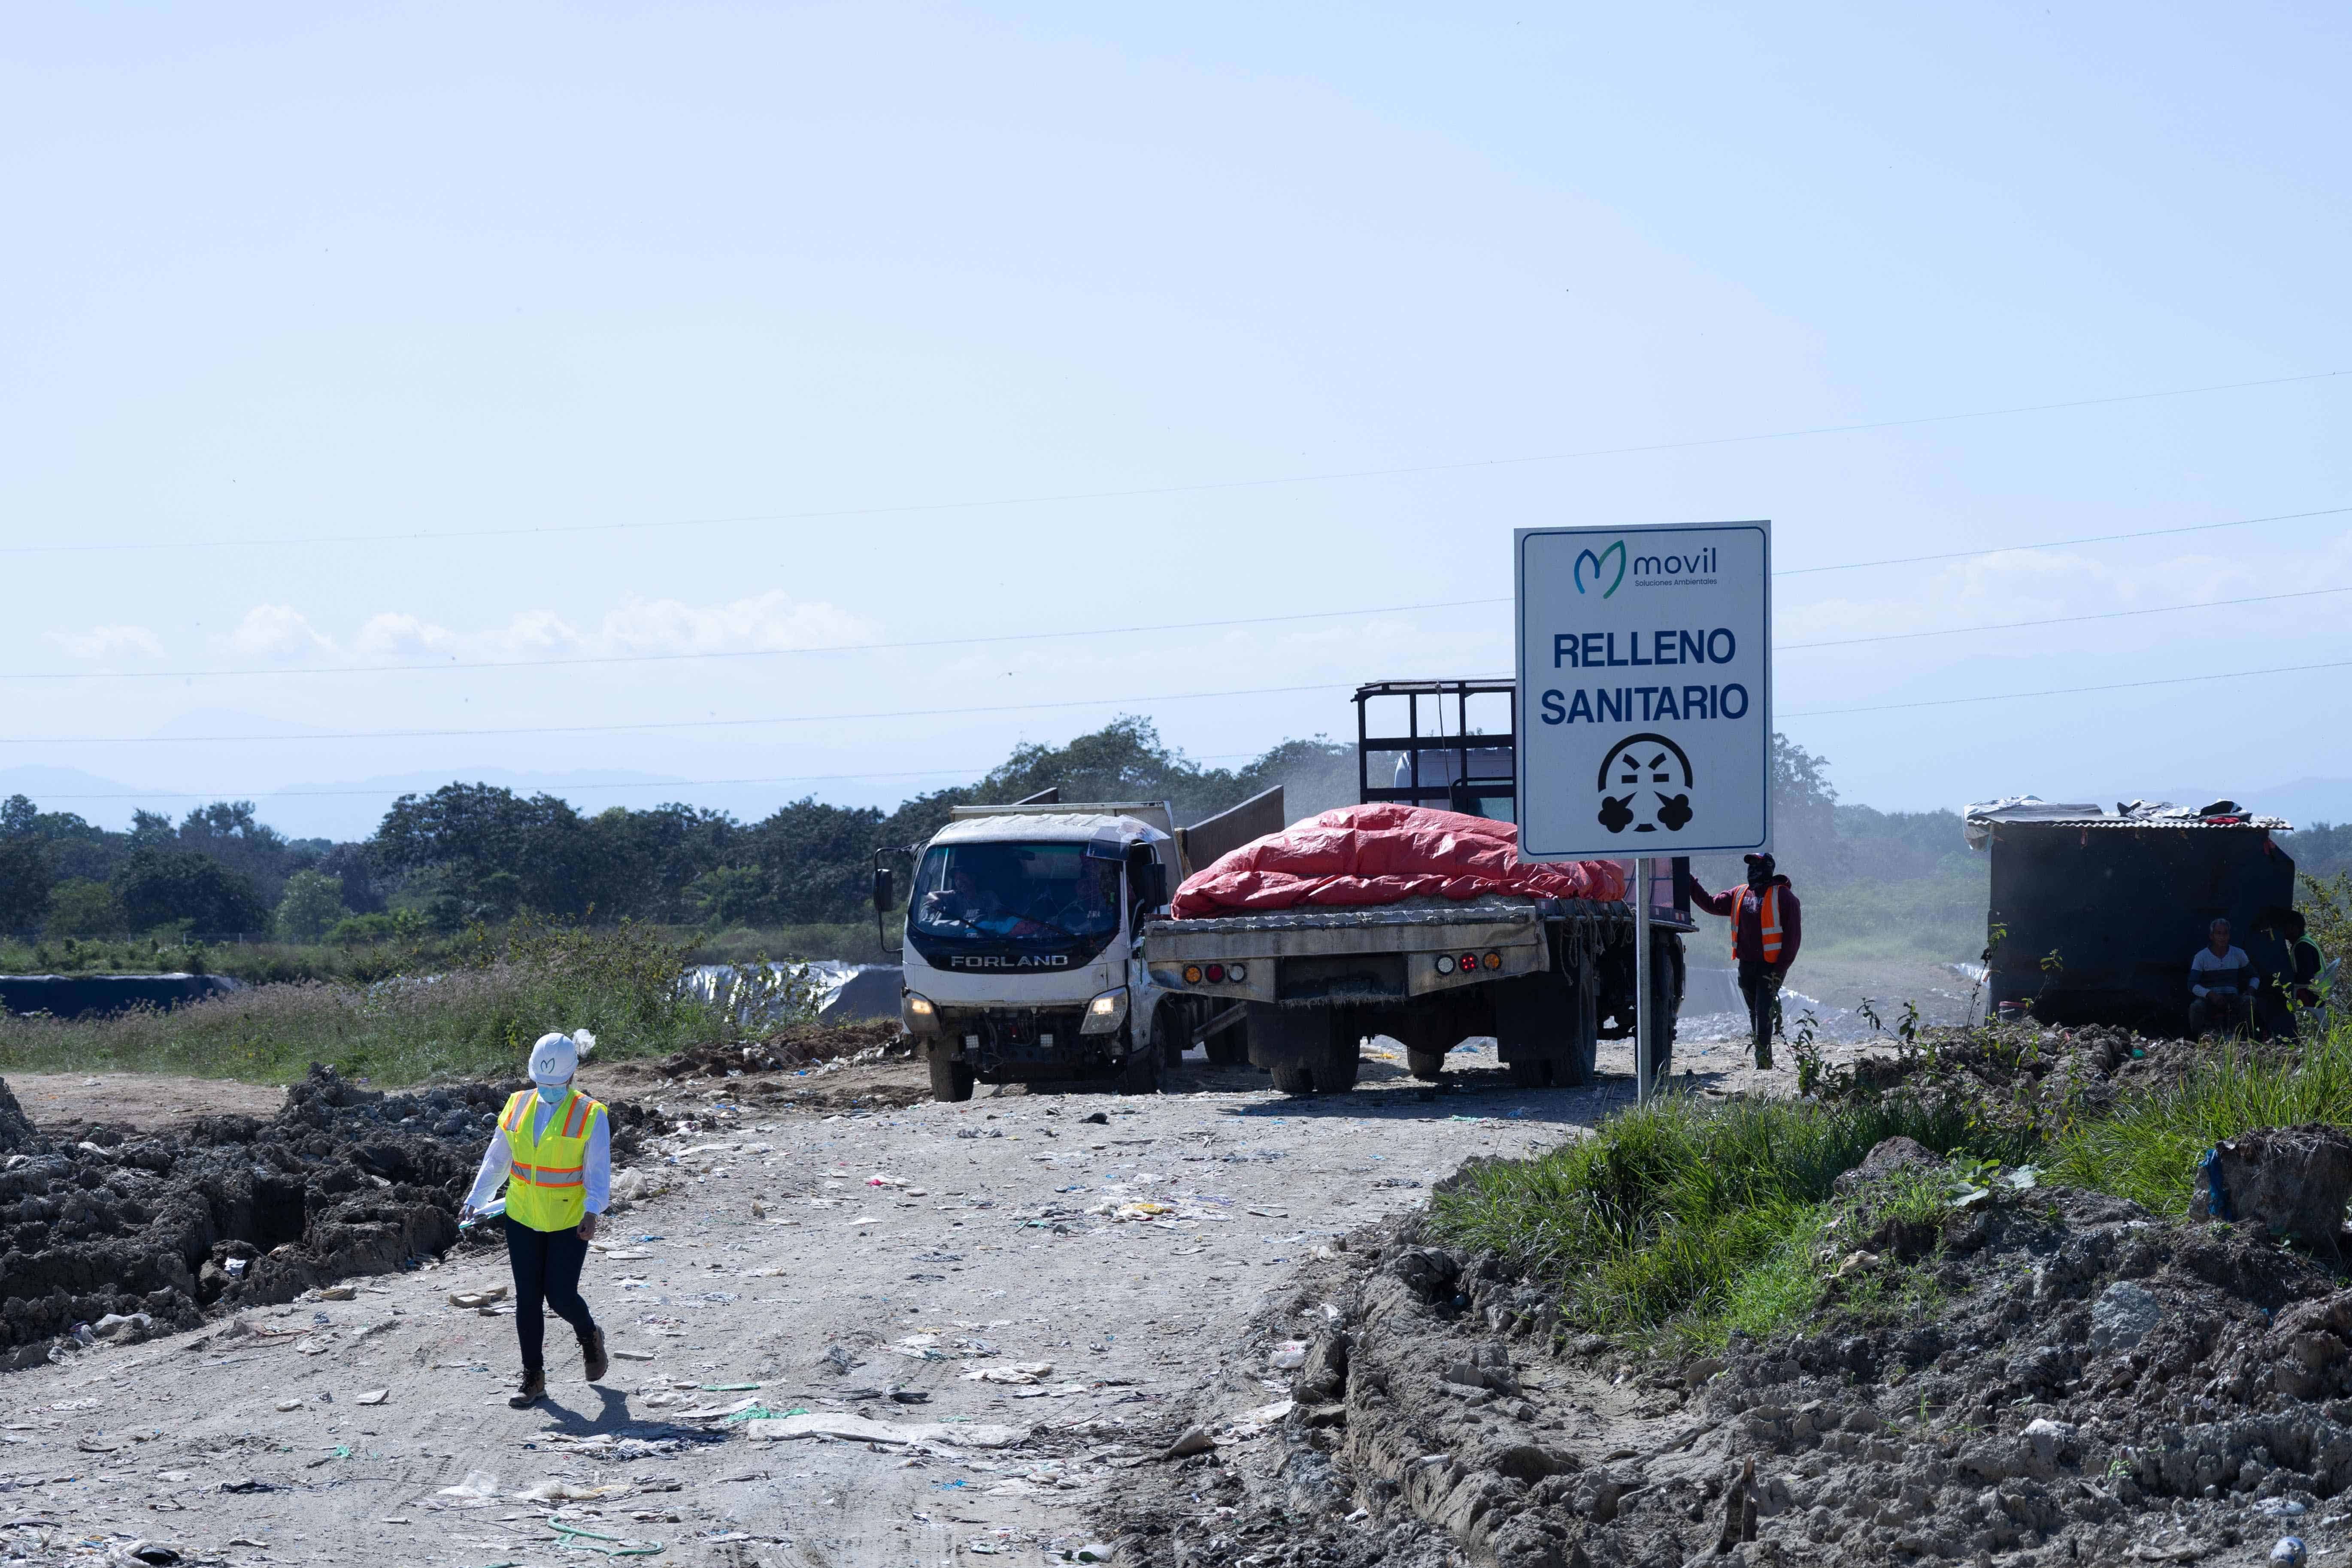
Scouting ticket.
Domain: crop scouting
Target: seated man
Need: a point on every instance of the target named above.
(2221, 978)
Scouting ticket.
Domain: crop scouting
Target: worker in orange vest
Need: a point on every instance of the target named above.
(1766, 927)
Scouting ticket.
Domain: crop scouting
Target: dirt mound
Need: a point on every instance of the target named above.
(235, 1211)
(783, 1051)
(2044, 1374)
(17, 1134)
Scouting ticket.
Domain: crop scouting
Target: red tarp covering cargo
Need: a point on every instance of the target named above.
(1382, 854)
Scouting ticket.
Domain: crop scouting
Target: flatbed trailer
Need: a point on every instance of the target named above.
(1297, 992)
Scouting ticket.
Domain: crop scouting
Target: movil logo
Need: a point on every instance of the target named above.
(1600, 565)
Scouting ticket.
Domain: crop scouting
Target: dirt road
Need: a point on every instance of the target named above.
(1068, 1265)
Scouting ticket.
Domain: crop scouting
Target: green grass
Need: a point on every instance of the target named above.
(2146, 1148)
(1940, 918)
(476, 1016)
(1684, 1221)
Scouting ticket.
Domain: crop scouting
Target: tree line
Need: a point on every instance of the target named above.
(475, 852)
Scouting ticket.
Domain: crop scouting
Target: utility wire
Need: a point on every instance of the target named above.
(668, 723)
(2068, 690)
(2061, 620)
(1187, 626)
(914, 509)
(2057, 543)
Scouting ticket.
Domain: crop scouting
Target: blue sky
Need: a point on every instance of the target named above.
(828, 275)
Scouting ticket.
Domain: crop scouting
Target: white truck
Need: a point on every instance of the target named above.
(1544, 978)
(1023, 958)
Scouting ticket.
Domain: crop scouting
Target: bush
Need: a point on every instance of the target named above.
(477, 1018)
(1687, 1219)
(2146, 1150)
(79, 907)
(313, 902)
(159, 886)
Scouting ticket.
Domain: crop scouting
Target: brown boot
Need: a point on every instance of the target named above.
(532, 1390)
(592, 1359)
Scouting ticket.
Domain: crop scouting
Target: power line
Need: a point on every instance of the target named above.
(2069, 691)
(914, 509)
(668, 723)
(599, 659)
(2058, 543)
(2061, 620)
(756, 652)
(978, 770)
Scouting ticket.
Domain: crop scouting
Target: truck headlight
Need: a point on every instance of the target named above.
(1105, 1013)
(918, 1015)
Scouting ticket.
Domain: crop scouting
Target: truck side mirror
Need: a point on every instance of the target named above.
(886, 891)
(1151, 884)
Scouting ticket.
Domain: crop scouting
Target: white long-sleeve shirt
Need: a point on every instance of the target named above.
(497, 1160)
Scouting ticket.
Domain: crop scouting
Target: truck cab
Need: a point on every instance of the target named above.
(1021, 927)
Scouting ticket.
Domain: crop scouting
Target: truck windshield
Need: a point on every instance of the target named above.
(1042, 891)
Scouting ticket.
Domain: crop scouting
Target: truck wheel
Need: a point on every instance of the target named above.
(1227, 1049)
(1300, 1081)
(1141, 1073)
(1530, 1072)
(952, 1080)
(1427, 1065)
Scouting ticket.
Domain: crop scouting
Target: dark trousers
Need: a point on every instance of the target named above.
(546, 1269)
(1759, 983)
(2216, 1012)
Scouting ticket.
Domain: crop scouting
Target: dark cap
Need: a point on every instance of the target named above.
(1762, 862)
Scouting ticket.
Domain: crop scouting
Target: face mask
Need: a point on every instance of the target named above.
(552, 1094)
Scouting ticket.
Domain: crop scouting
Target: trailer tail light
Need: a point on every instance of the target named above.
(1469, 961)
(1237, 972)
(1191, 975)
(1216, 973)
(1493, 960)
(1445, 963)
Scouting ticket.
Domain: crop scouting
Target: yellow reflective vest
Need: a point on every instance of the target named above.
(548, 1188)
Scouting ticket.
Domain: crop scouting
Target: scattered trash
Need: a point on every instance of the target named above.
(570, 1492)
(1097, 1119)
(1190, 1441)
(863, 1430)
(286, 1405)
(573, 1538)
(375, 1397)
(726, 1387)
(1288, 1355)
(478, 1487)
(153, 1552)
(251, 1484)
(335, 1293)
(2289, 1550)
(632, 1355)
(472, 1300)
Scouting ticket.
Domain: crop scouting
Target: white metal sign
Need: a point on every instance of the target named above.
(1645, 690)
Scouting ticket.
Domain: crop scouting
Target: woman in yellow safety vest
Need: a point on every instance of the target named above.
(553, 1150)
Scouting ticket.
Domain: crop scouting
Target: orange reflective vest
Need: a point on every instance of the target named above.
(548, 1188)
(1768, 920)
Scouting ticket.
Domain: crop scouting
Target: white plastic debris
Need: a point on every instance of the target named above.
(480, 1486)
(1288, 1354)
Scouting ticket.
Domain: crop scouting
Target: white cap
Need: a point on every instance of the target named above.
(554, 1060)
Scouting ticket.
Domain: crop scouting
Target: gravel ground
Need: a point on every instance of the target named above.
(993, 1244)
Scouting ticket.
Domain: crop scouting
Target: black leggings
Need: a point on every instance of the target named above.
(546, 1269)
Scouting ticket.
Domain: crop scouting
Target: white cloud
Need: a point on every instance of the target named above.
(766, 621)
(763, 622)
(110, 642)
(279, 632)
(393, 636)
